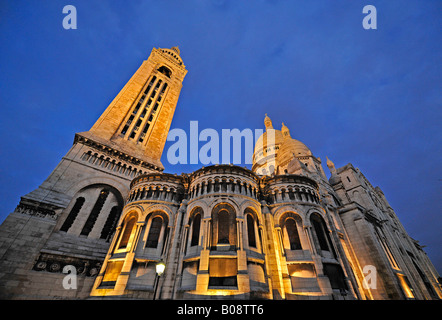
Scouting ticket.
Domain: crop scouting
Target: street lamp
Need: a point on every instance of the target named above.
(159, 269)
(160, 266)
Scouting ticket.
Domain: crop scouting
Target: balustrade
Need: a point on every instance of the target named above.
(222, 185)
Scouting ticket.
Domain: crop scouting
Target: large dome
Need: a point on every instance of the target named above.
(266, 149)
(291, 147)
(263, 142)
(278, 152)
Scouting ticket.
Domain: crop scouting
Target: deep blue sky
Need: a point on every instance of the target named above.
(367, 97)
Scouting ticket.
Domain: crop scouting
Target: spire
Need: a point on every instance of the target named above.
(331, 166)
(285, 131)
(268, 122)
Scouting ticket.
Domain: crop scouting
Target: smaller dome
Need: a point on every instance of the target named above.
(334, 179)
(174, 52)
(290, 148)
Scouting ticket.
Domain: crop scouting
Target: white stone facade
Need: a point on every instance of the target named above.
(279, 231)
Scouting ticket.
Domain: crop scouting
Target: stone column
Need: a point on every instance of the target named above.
(278, 196)
(205, 236)
(123, 278)
(161, 240)
(273, 256)
(202, 280)
(172, 278)
(309, 236)
(162, 193)
(281, 239)
(186, 238)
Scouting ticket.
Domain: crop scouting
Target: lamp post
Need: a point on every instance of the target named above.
(159, 269)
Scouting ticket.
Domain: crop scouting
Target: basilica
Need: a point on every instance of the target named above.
(128, 230)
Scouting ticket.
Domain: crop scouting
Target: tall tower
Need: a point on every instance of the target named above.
(70, 218)
(139, 117)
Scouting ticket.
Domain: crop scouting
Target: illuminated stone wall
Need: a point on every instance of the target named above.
(279, 231)
(228, 233)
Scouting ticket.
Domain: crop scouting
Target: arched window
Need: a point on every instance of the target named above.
(166, 71)
(93, 204)
(195, 230)
(111, 222)
(291, 194)
(251, 231)
(293, 235)
(95, 212)
(424, 278)
(154, 232)
(381, 237)
(223, 227)
(73, 214)
(127, 231)
(216, 187)
(321, 232)
(224, 222)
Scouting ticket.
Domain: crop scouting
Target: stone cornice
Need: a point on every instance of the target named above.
(224, 169)
(289, 178)
(93, 143)
(38, 209)
(161, 177)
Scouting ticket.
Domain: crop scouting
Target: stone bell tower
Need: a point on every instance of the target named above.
(70, 218)
(139, 118)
